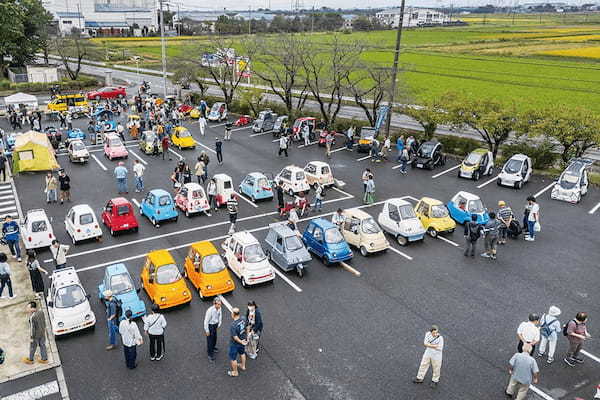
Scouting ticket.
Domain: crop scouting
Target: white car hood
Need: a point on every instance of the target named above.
(72, 314)
(411, 227)
(505, 176)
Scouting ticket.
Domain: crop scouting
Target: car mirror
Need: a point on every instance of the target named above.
(138, 290)
(87, 296)
(50, 304)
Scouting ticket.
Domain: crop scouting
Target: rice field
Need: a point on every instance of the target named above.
(582, 52)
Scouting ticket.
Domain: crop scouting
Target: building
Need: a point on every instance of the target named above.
(413, 17)
(104, 17)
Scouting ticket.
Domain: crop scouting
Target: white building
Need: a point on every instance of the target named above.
(412, 17)
(107, 17)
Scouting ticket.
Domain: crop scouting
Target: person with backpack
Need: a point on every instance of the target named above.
(529, 332)
(491, 236)
(154, 326)
(549, 328)
(131, 338)
(472, 234)
(113, 313)
(576, 332)
(506, 217)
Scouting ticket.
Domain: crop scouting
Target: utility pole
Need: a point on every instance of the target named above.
(249, 20)
(395, 69)
(163, 49)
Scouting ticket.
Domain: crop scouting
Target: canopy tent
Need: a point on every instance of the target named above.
(21, 98)
(33, 152)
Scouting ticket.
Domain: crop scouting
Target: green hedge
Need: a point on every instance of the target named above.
(65, 84)
(542, 155)
(457, 145)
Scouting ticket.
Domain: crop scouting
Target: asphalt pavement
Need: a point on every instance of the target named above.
(335, 334)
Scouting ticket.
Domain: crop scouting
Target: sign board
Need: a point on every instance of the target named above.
(382, 113)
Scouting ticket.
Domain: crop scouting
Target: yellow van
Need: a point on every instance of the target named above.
(66, 102)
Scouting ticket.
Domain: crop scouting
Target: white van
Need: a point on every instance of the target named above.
(246, 259)
(68, 303)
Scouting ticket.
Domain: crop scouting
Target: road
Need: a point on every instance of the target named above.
(342, 336)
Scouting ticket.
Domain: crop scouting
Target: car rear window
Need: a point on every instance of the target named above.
(227, 185)
(212, 264)
(164, 201)
(85, 219)
(123, 210)
(39, 226)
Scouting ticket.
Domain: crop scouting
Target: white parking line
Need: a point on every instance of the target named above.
(348, 195)
(401, 253)
(260, 134)
(286, 279)
(363, 158)
(225, 302)
(587, 354)
(446, 171)
(340, 149)
(138, 157)
(134, 201)
(494, 179)
(37, 392)
(349, 268)
(242, 128)
(99, 163)
(214, 126)
(448, 241)
(540, 393)
(397, 166)
(593, 210)
(550, 186)
(275, 140)
(177, 154)
(309, 144)
(246, 200)
(206, 147)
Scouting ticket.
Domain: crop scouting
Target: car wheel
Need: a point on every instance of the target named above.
(253, 199)
(432, 232)
(291, 192)
(135, 229)
(519, 185)
(153, 221)
(363, 251)
(326, 261)
(244, 284)
(451, 230)
(491, 171)
(112, 232)
(315, 185)
(300, 272)
(499, 182)
(476, 175)
(200, 294)
(402, 241)
(176, 218)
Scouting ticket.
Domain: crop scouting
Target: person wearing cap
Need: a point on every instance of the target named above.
(111, 319)
(121, 177)
(524, 371)
(549, 328)
(505, 217)
(434, 345)
(529, 332)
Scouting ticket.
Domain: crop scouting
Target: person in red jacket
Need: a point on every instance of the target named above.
(165, 147)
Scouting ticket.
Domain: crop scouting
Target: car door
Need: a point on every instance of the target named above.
(229, 255)
(238, 259)
(351, 230)
(384, 217)
(319, 241)
(249, 186)
(279, 251)
(148, 205)
(69, 220)
(525, 171)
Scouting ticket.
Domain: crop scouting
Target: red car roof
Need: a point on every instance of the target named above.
(120, 201)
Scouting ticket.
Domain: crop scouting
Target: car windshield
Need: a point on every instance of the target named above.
(215, 107)
(197, 194)
(123, 210)
(164, 200)
(184, 133)
(149, 137)
(39, 226)
(115, 142)
(212, 263)
(69, 296)
(333, 235)
(426, 149)
(369, 226)
(167, 274)
(472, 159)
(263, 183)
(253, 253)
(121, 283)
(367, 135)
(85, 219)
(475, 207)
(568, 181)
(513, 166)
(439, 211)
(227, 185)
(78, 146)
(293, 243)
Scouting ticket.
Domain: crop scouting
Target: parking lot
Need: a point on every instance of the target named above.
(350, 331)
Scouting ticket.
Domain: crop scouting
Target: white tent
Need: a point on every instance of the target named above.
(21, 98)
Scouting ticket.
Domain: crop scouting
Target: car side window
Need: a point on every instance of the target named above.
(279, 242)
(394, 214)
(310, 169)
(310, 228)
(238, 250)
(73, 217)
(232, 244)
(425, 210)
(318, 233)
(354, 224)
(184, 191)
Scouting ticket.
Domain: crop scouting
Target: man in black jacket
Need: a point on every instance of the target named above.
(472, 234)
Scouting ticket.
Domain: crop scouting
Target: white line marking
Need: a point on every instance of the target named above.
(214, 126)
(97, 150)
(177, 154)
(17, 201)
(363, 158)
(550, 186)
(593, 210)
(309, 144)
(349, 268)
(448, 241)
(7, 197)
(286, 279)
(138, 157)
(4, 203)
(8, 208)
(62, 383)
(137, 204)
(246, 200)
(6, 191)
(540, 393)
(276, 140)
(206, 147)
(261, 133)
(239, 129)
(401, 253)
(494, 179)
(348, 195)
(587, 354)
(446, 171)
(99, 163)
(37, 392)
(225, 302)
(397, 166)
(340, 149)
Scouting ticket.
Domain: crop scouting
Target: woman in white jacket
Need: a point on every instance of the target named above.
(549, 328)
(131, 338)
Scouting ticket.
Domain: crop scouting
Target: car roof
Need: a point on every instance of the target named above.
(161, 257)
(292, 167)
(37, 213)
(256, 174)
(112, 136)
(282, 228)
(319, 163)
(65, 276)
(398, 202)
(221, 177)
(78, 141)
(205, 248)
(577, 165)
(116, 269)
(245, 238)
(120, 201)
(357, 213)
(160, 192)
(323, 223)
(480, 150)
(82, 208)
(467, 195)
(519, 156)
(192, 186)
(431, 201)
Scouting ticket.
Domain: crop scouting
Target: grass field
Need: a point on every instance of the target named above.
(535, 61)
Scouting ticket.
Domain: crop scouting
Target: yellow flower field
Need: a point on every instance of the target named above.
(573, 38)
(584, 52)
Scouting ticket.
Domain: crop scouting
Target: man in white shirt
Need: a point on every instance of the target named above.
(202, 124)
(59, 252)
(338, 218)
(529, 332)
(138, 173)
(434, 345)
(533, 218)
(212, 321)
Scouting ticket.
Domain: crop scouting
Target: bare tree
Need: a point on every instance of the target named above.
(72, 50)
(278, 62)
(187, 71)
(369, 85)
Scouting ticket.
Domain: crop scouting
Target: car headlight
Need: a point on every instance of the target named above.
(208, 287)
(60, 324)
(163, 299)
(333, 254)
(88, 317)
(185, 293)
(371, 244)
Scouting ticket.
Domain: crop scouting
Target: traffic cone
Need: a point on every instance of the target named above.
(597, 396)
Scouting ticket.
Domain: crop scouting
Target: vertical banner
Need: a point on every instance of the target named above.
(382, 112)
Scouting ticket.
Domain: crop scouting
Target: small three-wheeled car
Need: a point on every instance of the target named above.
(191, 199)
(36, 230)
(206, 271)
(398, 218)
(367, 136)
(218, 112)
(478, 163)
(257, 186)
(224, 188)
(157, 206)
(299, 125)
(149, 143)
(361, 231)
(318, 171)
(78, 153)
(81, 224)
(516, 171)
(434, 217)
(293, 180)
(75, 134)
(243, 120)
(280, 124)
(247, 260)
(116, 278)
(162, 280)
(264, 122)
(118, 216)
(429, 155)
(182, 138)
(573, 182)
(324, 239)
(464, 205)
(284, 247)
(114, 147)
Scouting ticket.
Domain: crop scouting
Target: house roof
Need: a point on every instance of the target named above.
(106, 24)
(64, 14)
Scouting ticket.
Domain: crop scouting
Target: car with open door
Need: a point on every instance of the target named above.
(398, 219)
(464, 205)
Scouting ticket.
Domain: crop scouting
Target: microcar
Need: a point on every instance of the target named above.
(516, 171)
(224, 188)
(149, 142)
(318, 171)
(162, 280)
(114, 147)
(293, 180)
(205, 269)
(78, 153)
(118, 216)
(246, 259)
(257, 186)
(191, 199)
(429, 155)
(478, 163)
(74, 134)
(218, 112)
(36, 230)
(433, 214)
(116, 278)
(574, 182)
(464, 205)
(361, 231)
(264, 122)
(182, 138)
(284, 247)
(324, 239)
(398, 218)
(157, 206)
(81, 224)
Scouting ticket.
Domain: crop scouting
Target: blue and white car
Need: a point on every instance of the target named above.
(463, 205)
(75, 134)
(116, 278)
(573, 183)
(105, 120)
(257, 186)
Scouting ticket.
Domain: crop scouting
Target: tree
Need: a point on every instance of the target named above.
(493, 120)
(362, 23)
(72, 49)
(369, 85)
(279, 64)
(187, 71)
(253, 98)
(429, 114)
